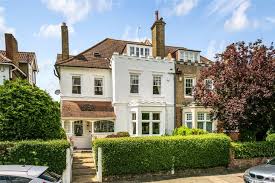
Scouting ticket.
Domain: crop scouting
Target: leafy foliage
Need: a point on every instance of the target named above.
(27, 112)
(45, 153)
(118, 135)
(271, 137)
(151, 154)
(183, 130)
(243, 95)
(253, 149)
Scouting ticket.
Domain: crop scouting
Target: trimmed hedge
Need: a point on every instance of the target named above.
(270, 137)
(45, 153)
(253, 149)
(152, 154)
(183, 130)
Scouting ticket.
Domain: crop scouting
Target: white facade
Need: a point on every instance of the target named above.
(87, 93)
(4, 73)
(143, 107)
(87, 76)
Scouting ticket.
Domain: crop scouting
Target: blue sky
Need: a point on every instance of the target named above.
(206, 25)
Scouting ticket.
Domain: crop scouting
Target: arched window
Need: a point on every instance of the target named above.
(103, 126)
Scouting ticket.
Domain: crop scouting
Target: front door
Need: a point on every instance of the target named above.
(80, 139)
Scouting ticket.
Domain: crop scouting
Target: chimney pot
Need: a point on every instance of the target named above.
(157, 15)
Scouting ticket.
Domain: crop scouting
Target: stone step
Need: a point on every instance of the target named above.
(85, 160)
(82, 155)
(84, 179)
(84, 171)
(83, 165)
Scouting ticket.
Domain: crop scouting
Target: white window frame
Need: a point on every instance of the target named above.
(80, 85)
(211, 85)
(134, 84)
(146, 52)
(102, 86)
(157, 83)
(206, 119)
(134, 121)
(133, 53)
(185, 88)
(187, 120)
(151, 121)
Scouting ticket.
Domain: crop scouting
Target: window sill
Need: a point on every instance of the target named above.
(158, 96)
(188, 96)
(134, 95)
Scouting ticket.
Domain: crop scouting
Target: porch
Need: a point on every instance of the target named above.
(82, 132)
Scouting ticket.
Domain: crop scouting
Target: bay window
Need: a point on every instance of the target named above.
(134, 123)
(204, 122)
(188, 119)
(150, 123)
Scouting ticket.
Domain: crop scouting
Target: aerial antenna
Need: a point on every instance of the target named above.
(138, 32)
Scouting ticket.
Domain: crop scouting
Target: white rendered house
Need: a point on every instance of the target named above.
(143, 94)
(119, 86)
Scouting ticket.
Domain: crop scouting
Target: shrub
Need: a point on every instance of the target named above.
(270, 137)
(45, 153)
(151, 154)
(27, 112)
(183, 130)
(119, 134)
(253, 149)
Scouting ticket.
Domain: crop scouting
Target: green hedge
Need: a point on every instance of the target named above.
(48, 153)
(183, 130)
(151, 154)
(253, 149)
(270, 137)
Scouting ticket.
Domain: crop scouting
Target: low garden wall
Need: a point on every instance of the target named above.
(45, 153)
(248, 154)
(155, 154)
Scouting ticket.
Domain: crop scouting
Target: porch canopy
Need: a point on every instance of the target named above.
(87, 109)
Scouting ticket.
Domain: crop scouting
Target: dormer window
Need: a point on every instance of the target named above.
(132, 51)
(139, 50)
(96, 54)
(189, 56)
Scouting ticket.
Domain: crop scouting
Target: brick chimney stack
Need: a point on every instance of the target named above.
(158, 37)
(11, 48)
(65, 41)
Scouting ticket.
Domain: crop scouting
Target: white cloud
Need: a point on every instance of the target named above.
(132, 34)
(238, 20)
(215, 47)
(184, 7)
(73, 11)
(223, 7)
(51, 30)
(3, 26)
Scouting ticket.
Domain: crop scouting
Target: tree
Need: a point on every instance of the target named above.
(243, 89)
(27, 112)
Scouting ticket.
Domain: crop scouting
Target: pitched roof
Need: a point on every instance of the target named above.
(24, 57)
(4, 59)
(87, 109)
(106, 48)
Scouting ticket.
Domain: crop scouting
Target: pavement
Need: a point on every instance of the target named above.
(228, 178)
